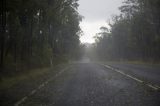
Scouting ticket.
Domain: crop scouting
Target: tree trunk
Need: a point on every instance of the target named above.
(3, 24)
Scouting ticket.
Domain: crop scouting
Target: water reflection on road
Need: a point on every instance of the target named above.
(85, 60)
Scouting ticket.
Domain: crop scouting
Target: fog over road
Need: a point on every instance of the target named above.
(90, 84)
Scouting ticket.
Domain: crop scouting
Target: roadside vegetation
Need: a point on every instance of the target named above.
(8, 82)
(134, 35)
(11, 80)
(38, 33)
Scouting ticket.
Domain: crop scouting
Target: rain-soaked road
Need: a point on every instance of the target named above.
(90, 84)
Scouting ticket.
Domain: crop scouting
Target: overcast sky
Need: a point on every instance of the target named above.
(97, 13)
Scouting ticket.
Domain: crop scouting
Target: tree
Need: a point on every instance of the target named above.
(2, 30)
(38, 31)
(135, 32)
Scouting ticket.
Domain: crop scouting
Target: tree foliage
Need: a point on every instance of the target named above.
(135, 33)
(37, 32)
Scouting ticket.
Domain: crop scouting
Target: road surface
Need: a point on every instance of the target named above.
(91, 84)
(149, 73)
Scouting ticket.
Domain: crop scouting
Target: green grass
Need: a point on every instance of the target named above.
(7, 82)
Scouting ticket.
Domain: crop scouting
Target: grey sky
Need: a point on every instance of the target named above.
(96, 13)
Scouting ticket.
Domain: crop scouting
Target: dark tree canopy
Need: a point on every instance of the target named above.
(38, 32)
(135, 33)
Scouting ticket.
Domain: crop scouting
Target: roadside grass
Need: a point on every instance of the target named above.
(8, 81)
(142, 62)
(135, 62)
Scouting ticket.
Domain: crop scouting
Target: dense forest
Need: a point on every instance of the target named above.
(37, 33)
(134, 34)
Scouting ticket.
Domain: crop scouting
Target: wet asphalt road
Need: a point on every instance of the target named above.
(90, 84)
(149, 73)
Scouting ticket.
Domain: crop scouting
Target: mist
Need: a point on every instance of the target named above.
(79, 53)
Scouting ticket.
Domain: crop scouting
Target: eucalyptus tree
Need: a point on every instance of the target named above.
(135, 33)
(36, 31)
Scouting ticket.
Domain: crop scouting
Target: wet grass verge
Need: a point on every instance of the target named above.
(13, 88)
(9, 81)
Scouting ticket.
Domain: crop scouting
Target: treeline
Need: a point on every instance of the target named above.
(134, 34)
(38, 32)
